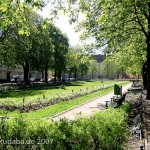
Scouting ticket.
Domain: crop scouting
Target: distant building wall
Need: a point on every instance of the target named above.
(99, 59)
(7, 73)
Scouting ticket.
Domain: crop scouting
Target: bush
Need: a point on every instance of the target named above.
(127, 107)
(104, 130)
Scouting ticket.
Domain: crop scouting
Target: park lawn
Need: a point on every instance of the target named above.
(57, 108)
(31, 95)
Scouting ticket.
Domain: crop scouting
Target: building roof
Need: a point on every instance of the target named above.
(98, 57)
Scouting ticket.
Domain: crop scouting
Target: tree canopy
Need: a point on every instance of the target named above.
(122, 28)
(12, 11)
(77, 61)
(61, 44)
(93, 67)
(119, 26)
(37, 50)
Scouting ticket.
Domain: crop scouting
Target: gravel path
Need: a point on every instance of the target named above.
(88, 107)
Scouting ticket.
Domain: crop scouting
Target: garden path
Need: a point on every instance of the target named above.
(88, 107)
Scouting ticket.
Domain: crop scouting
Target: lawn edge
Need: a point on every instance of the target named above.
(76, 106)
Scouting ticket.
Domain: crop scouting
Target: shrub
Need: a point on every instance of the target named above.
(104, 130)
(127, 107)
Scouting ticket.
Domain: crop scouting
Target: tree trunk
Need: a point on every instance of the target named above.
(59, 75)
(42, 74)
(118, 76)
(55, 74)
(107, 70)
(107, 75)
(144, 75)
(46, 74)
(8, 76)
(69, 75)
(122, 72)
(148, 73)
(26, 72)
(75, 73)
(148, 56)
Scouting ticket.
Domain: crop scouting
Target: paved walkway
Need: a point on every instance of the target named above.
(88, 107)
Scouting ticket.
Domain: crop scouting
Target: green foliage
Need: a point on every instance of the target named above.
(31, 41)
(42, 48)
(36, 51)
(131, 55)
(60, 44)
(127, 107)
(119, 27)
(105, 130)
(109, 67)
(77, 61)
(13, 12)
(92, 67)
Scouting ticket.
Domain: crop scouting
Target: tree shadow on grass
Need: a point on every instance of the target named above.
(19, 93)
(32, 91)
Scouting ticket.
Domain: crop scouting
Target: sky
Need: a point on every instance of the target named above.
(63, 24)
(65, 27)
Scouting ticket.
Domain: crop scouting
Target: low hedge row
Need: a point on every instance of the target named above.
(28, 105)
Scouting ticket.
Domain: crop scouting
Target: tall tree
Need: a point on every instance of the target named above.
(14, 10)
(25, 44)
(83, 64)
(114, 23)
(43, 50)
(93, 67)
(77, 61)
(109, 68)
(61, 44)
(25, 49)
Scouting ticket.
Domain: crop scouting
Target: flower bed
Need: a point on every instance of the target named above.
(28, 105)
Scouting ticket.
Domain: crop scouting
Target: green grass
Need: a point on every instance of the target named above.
(51, 91)
(55, 109)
